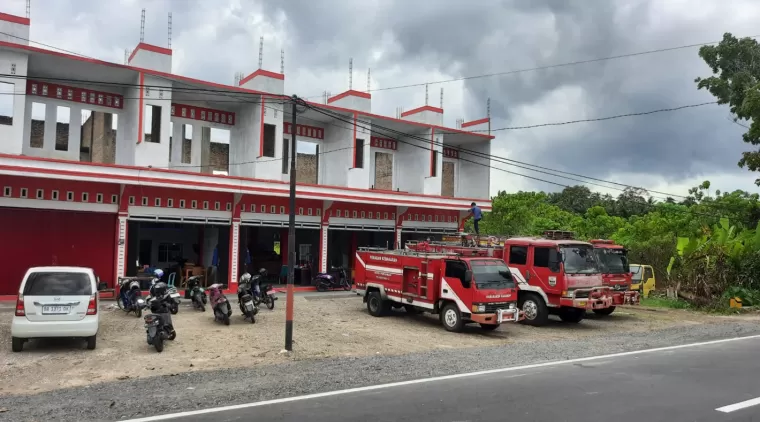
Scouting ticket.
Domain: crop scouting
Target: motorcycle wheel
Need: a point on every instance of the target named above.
(158, 343)
(172, 335)
(270, 302)
(174, 309)
(346, 285)
(205, 300)
(253, 318)
(322, 286)
(138, 312)
(120, 303)
(198, 302)
(226, 320)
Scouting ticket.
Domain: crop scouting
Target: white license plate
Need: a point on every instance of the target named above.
(55, 310)
(174, 295)
(249, 305)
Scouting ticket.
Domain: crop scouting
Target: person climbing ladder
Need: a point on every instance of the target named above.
(477, 215)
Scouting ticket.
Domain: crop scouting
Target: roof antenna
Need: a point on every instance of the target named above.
(170, 30)
(488, 114)
(426, 94)
(126, 55)
(282, 61)
(350, 73)
(261, 51)
(369, 79)
(142, 26)
(28, 9)
(441, 97)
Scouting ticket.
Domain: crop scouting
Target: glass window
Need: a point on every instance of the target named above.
(518, 255)
(58, 284)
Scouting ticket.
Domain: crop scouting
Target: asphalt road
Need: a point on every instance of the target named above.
(684, 384)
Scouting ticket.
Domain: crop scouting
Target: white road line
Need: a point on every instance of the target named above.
(441, 378)
(739, 406)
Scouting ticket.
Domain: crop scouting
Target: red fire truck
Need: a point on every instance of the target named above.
(616, 274)
(460, 289)
(555, 274)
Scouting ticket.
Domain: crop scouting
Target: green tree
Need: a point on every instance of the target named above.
(735, 64)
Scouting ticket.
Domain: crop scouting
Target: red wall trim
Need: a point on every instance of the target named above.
(304, 130)
(421, 109)
(450, 152)
(432, 151)
(204, 114)
(378, 142)
(475, 122)
(348, 93)
(149, 47)
(140, 112)
(354, 149)
(78, 95)
(261, 135)
(14, 19)
(262, 72)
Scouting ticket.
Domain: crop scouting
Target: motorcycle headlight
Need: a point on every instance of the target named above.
(140, 301)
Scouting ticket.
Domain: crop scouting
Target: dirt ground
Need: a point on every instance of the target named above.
(323, 327)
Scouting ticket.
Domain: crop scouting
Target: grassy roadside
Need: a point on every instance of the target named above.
(662, 302)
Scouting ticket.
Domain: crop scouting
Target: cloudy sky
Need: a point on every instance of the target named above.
(407, 42)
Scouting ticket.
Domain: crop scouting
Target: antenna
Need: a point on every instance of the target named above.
(350, 73)
(236, 78)
(426, 94)
(170, 30)
(441, 97)
(261, 51)
(282, 61)
(126, 55)
(28, 9)
(369, 79)
(142, 26)
(488, 108)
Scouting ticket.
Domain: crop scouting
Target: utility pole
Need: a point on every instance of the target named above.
(291, 234)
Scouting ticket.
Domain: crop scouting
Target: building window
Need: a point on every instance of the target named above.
(385, 216)
(167, 252)
(59, 92)
(182, 203)
(273, 209)
(157, 202)
(363, 215)
(83, 97)
(229, 206)
(170, 202)
(101, 99)
(393, 216)
(309, 211)
(217, 206)
(7, 191)
(371, 214)
(99, 198)
(7, 95)
(192, 113)
(263, 209)
(203, 115)
(54, 195)
(109, 101)
(85, 196)
(69, 196)
(92, 98)
(24, 192)
(44, 89)
(300, 210)
(194, 204)
(144, 201)
(269, 135)
(359, 154)
(40, 194)
(70, 94)
(131, 200)
(282, 210)
(434, 165)
(153, 121)
(114, 199)
(338, 213)
(116, 102)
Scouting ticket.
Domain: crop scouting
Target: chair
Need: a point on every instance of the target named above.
(172, 276)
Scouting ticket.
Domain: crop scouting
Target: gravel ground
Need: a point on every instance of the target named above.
(337, 346)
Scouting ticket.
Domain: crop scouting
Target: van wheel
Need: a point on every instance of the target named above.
(572, 315)
(451, 318)
(534, 307)
(91, 342)
(376, 306)
(605, 311)
(17, 344)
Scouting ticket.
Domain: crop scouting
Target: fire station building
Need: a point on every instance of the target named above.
(126, 167)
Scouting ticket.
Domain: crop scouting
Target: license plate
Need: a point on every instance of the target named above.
(249, 305)
(581, 303)
(175, 295)
(55, 310)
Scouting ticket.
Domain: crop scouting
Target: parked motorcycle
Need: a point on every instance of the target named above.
(246, 298)
(219, 304)
(196, 293)
(332, 279)
(158, 324)
(174, 294)
(130, 297)
(261, 293)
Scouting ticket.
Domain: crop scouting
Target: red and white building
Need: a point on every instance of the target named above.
(140, 198)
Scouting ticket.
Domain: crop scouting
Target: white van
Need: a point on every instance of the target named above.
(56, 302)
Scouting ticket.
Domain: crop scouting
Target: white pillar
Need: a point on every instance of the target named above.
(121, 248)
(323, 249)
(51, 115)
(234, 255)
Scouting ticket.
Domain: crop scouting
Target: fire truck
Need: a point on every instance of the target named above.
(616, 273)
(460, 289)
(555, 274)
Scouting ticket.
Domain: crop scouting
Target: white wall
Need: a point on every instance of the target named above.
(338, 153)
(266, 84)
(270, 168)
(18, 33)
(11, 136)
(150, 60)
(361, 178)
(473, 180)
(244, 135)
(413, 163)
(427, 117)
(128, 133)
(151, 153)
(433, 182)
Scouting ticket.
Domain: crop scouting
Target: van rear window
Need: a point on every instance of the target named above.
(58, 284)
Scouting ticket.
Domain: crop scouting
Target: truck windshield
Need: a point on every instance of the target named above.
(636, 270)
(612, 261)
(491, 274)
(579, 259)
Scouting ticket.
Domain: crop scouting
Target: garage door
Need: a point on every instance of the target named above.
(41, 237)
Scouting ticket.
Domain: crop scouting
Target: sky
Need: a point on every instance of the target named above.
(405, 42)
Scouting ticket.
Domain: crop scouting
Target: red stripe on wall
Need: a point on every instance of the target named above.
(140, 112)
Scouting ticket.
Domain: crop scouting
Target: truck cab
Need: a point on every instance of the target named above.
(643, 279)
(616, 273)
(556, 276)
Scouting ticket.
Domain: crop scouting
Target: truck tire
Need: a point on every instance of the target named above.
(451, 318)
(605, 311)
(376, 306)
(534, 307)
(572, 315)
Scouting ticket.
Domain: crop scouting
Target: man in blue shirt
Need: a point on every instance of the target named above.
(477, 215)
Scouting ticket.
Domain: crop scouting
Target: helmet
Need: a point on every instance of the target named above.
(245, 278)
(158, 273)
(262, 272)
(159, 289)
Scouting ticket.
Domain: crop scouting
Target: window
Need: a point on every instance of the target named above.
(285, 155)
(205, 205)
(263, 209)
(99, 198)
(648, 274)
(363, 215)
(385, 216)
(7, 191)
(62, 119)
(114, 199)
(194, 204)
(54, 195)
(152, 127)
(37, 132)
(359, 154)
(58, 284)
(354, 214)
(371, 214)
(24, 192)
(40, 194)
(131, 200)
(144, 201)
(434, 164)
(272, 209)
(319, 212)
(282, 210)
(168, 251)
(268, 146)
(157, 202)
(182, 203)
(456, 269)
(518, 255)
(229, 206)
(541, 257)
(170, 202)
(218, 206)
(69, 196)
(338, 213)
(85, 196)
(6, 103)
(309, 211)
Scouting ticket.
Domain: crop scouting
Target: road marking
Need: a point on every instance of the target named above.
(442, 378)
(739, 406)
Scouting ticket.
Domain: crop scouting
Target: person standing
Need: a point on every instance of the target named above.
(477, 215)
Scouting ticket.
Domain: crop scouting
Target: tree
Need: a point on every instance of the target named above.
(735, 64)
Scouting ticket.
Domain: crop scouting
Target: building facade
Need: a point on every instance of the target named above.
(120, 167)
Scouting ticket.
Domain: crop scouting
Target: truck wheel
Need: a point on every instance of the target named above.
(489, 327)
(376, 306)
(605, 311)
(451, 318)
(536, 313)
(572, 315)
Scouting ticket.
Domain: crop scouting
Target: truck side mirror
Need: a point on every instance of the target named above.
(467, 278)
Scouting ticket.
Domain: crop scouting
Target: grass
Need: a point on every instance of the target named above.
(661, 302)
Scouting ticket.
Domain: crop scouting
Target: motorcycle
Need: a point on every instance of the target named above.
(262, 294)
(174, 304)
(196, 293)
(158, 324)
(219, 304)
(246, 301)
(130, 299)
(335, 278)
